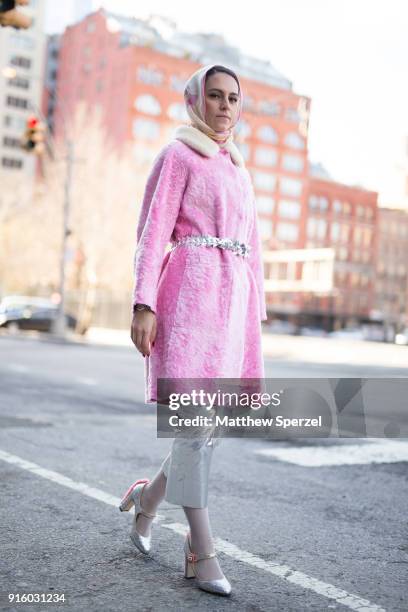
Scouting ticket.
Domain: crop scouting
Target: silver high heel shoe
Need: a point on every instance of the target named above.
(132, 498)
(220, 586)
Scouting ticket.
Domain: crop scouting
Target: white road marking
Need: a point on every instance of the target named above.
(349, 600)
(381, 451)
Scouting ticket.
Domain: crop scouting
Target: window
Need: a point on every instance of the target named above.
(265, 156)
(269, 108)
(367, 236)
(318, 203)
(360, 211)
(267, 134)
(292, 115)
(18, 123)
(316, 228)
(287, 231)
(294, 141)
(23, 62)
(292, 162)
(342, 253)
(335, 231)
(177, 84)
(346, 208)
(265, 204)
(265, 228)
(357, 235)
(289, 209)
(20, 41)
(8, 141)
(149, 76)
(90, 26)
(345, 232)
(245, 150)
(291, 187)
(19, 82)
(248, 104)
(242, 129)
(337, 207)
(7, 162)
(99, 85)
(18, 102)
(148, 104)
(146, 129)
(323, 203)
(177, 112)
(264, 181)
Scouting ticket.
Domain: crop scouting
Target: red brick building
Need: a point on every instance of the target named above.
(136, 77)
(391, 287)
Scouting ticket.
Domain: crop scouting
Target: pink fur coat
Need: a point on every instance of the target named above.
(209, 302)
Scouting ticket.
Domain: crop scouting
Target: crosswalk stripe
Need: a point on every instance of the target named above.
(381, 451)
(333, 593)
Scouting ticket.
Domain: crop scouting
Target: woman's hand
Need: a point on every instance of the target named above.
(143, 330)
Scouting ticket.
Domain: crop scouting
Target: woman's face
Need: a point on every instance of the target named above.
(221, 101)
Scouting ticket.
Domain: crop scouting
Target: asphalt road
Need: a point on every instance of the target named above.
(74, 433)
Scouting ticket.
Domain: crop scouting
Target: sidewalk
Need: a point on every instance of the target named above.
(295, 348)
(275, 346)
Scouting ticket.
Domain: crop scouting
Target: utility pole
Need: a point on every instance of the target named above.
(60, 323)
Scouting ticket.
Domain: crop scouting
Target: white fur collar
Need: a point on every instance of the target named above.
(197, 140)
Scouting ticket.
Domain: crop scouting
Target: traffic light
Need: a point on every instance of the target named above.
(9, 16)
(33, 139)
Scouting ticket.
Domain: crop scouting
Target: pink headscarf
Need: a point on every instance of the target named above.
(194, 98)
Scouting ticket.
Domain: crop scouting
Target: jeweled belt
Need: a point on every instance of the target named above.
(239, 248)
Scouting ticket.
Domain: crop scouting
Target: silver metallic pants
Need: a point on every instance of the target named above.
(187, 466)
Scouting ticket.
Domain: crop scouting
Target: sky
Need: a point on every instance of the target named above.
(349, 56)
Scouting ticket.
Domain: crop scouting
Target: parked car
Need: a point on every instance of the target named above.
(313, 331)
(277, 326)
(348, 333)
(33, 313)
(402, 337)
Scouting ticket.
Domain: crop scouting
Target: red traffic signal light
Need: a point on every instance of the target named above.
(10, 17)
(32, 123)
(33, 139)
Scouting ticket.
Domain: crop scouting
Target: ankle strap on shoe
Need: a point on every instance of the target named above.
(193, 558)
(147, 514)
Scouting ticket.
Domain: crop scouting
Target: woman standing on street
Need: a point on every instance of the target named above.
(198, 309)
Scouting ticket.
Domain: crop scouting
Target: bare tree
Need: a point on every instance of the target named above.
(106, 193)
